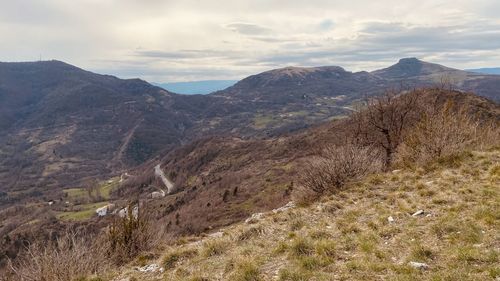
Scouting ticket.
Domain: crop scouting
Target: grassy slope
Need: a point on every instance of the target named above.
(348, 237)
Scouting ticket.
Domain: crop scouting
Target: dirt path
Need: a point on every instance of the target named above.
(119, 155)
(159, 172)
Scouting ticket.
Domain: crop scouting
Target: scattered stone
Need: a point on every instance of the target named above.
(289, 205)
(396, 171)
(390, 219)
(254, 218)
(158, 194)
(418, 213)
(418, 265)
(218, 234)
(428, 215)
(151, 268)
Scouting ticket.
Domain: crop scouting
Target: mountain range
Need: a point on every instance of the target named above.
(60, 125)
(72, 141)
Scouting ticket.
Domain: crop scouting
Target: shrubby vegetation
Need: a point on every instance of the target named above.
(71, 257)
(394, 131)
(390, 132)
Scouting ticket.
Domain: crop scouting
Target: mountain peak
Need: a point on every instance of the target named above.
(411, 67)
(409, 61)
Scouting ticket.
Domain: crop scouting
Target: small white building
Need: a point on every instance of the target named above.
(103, 211)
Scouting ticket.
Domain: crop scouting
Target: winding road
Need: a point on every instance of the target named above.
(170, 185)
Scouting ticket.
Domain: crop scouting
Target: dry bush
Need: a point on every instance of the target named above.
(443, 132)
(129, 236)
(382, 123)
(70, 257)
(336, 166)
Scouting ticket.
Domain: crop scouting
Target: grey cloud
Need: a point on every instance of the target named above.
(247, 28)
(182, 54)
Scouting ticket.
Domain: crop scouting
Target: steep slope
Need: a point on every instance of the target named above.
(369, 231)
(60, 124)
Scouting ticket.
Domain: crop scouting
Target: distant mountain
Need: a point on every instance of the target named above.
(412, 67)
(412, 72)
(494, 70)
(196, 87)
(60, 124)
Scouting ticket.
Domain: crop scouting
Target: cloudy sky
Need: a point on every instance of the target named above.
(182, 40)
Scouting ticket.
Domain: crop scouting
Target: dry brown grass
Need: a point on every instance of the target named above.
(444, 132)
(347, 236)
(69, 258)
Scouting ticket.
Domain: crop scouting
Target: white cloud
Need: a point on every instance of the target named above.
(172, 40)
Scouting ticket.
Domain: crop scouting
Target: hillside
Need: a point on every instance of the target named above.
(219, 181)
(367, 231)
(61, 125)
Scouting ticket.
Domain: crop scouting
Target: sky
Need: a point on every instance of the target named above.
(186, 40)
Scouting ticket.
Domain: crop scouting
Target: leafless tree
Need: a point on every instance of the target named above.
(382, 122)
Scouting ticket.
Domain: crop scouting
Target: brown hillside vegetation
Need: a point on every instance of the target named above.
(220, 181)
(223, 180)
(365, 232)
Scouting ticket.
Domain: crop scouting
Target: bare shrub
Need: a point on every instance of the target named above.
(70, 257)
(338, 165)
(442, 132)
(383, 121)
(129, 236)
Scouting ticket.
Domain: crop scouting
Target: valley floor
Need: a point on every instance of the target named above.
(365, 232)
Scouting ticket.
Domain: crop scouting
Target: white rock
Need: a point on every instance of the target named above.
(418, 213)
(255, 218)
(289, 205)
(218, 234)
(396, 171)
(390, 219)
(418, 265)
(157, 194)
(151, 268)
